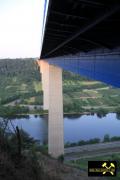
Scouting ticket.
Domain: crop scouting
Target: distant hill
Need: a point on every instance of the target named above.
(19, 78)
(20, 81)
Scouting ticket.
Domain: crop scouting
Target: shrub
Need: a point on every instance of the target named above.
(61, 158)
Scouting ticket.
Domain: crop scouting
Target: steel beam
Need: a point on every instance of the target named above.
(87, 27)
(69, 15)
(95, 42)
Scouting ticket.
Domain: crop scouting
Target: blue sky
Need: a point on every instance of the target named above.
(20, 28)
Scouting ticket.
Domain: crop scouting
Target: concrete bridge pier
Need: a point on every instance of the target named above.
(53, 101)
(44, 70)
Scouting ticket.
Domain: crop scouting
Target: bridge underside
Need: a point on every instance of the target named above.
(81, 36)
(80, 26)
(103, 67)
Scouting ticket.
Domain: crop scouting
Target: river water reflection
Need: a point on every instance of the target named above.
(76, 128)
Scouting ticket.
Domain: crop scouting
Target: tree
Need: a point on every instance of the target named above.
(106, 138)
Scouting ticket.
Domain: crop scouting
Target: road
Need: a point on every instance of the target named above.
(93, 150)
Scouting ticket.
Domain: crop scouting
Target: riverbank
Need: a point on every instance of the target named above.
(92, 150)
(17, 110)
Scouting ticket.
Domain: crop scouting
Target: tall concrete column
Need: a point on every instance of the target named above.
(44, 70)
(53, 101)
(55, 123)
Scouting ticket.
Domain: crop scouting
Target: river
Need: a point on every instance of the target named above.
(76, 128)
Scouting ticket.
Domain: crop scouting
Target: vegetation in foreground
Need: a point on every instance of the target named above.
(14, 165)
(21, 157)
(20, 85)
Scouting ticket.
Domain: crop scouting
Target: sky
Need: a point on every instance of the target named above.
(20, 28)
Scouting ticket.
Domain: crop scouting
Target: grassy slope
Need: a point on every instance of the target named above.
(20, 79)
